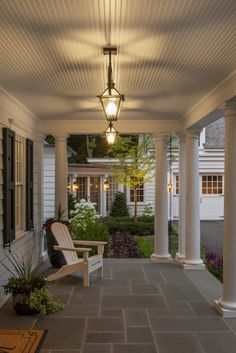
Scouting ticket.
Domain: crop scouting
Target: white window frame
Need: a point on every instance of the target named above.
(138, 202)
(20, 187)
(212, 175)
(176, 175)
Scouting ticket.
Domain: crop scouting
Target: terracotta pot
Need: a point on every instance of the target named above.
(21, 307)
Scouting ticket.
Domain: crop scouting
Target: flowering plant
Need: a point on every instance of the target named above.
(214, 264)
(83, 215)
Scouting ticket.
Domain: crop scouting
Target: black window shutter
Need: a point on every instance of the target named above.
(8, 186)
(29, 185)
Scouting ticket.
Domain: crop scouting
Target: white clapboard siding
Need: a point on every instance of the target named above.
(25, 124)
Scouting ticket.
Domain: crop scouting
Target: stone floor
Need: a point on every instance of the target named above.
(138, 307)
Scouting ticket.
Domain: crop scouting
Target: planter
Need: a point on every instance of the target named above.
(21, 307)
(56, 257)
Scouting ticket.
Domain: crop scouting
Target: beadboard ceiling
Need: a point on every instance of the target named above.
(171, 54)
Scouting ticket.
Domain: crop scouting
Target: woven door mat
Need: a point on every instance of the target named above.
(21, 341)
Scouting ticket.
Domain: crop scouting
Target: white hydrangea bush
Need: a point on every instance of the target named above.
(83, 215)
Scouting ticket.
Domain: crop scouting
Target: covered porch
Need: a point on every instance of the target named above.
(138, 307)
(176, 67)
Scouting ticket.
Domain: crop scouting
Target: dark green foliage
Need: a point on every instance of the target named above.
(119, 207)
(71, 203)
(136, 228)
(24, 278)
(25, 286)
(79, 145)
(146, 218)
(28, 284)
(123, 244)
(96, 232)
(50, 139)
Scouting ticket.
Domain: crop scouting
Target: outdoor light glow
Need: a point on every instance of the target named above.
(75, 187)
(111, 136)
(111, 109)
(170, 187)
(106, 185)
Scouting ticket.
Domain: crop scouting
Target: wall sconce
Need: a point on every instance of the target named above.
(75, 186)
(106, 185)
(111, 99)
(170, 186)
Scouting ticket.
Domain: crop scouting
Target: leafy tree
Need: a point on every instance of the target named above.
(119, 206)
(135, 162)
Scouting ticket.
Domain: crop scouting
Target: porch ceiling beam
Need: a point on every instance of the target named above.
(208, 109)
(97, 127)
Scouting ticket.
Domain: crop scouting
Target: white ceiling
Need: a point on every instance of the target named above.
(171, 54)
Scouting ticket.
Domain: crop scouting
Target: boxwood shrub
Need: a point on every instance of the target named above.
(129, 225)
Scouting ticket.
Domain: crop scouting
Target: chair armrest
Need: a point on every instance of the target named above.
(57, 247)
(85, 242)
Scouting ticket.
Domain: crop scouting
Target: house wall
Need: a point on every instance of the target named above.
(15, 116)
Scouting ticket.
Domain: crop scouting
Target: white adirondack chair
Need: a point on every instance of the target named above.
(69, 250)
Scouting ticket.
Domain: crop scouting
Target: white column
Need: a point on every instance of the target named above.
(103, 198)
(61, 174)
(192, 203)
(227, 304)
(161, 253)
(182, 184)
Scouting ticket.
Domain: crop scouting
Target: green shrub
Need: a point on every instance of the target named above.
(119, 206)
(129, 225)
(95, 232)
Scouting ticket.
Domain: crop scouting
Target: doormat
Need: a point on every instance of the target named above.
(21, 341)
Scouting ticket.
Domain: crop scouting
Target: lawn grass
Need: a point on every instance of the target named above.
(146, 245)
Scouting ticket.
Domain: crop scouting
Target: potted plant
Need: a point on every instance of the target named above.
(56, 257)
(28, 288)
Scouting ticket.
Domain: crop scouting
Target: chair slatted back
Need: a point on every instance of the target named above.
(63, 238)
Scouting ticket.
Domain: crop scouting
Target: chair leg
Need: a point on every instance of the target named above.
(100, 272)
(86, 277)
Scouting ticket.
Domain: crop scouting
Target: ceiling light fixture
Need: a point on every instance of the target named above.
(111, 133)
(111, 99)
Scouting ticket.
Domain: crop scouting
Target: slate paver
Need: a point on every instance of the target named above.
(173, 342)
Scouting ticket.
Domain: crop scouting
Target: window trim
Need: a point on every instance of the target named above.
(20, 230)
(201, 185)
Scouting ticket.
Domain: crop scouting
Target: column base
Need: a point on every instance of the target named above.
(179, 258)
(161, 258)
(193, 265)
(223, 311)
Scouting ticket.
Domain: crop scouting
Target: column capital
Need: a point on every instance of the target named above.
(61, 136)
(192, 133)
(160, 136)
(229, 108)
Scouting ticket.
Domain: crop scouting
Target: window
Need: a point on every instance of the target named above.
(111, 192)
(140, 194)
(19, 183)
(82, 188)
(95, 192)
(212, 184)
(177, 184)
